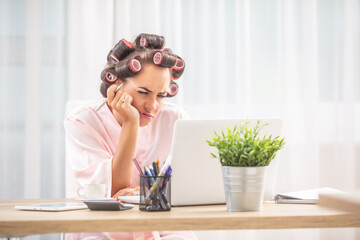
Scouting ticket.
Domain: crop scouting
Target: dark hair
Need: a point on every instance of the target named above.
(125, 60)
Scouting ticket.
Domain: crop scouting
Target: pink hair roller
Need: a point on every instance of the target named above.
(110, 77)
(143, 42)
(127, 43)
(179, 64)
(115, 58)
(158, 58)
(173, 89)
(135, 65)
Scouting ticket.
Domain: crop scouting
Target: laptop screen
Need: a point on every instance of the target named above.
(197, 177)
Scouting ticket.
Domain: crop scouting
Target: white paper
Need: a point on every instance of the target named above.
(310, 196)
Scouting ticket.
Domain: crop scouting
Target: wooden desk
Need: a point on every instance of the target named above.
(216, 217)
(348, 202)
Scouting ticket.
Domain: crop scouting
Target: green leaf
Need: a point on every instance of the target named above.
(241, 145)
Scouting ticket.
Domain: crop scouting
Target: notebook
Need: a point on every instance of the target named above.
(196, 176)
(309, 196)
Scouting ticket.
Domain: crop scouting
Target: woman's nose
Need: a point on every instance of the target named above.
(151, 105)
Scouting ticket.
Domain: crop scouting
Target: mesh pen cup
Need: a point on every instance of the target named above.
(155, 193)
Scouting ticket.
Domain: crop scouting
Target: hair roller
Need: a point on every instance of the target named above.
(129, 45)
(107, 81)
(126, 59)
(110, 77)
(150, 41)
(143, 41)
(135, 65)
(173, 89)
(164, 59)
(158, 56)
(179, 64)
(113, 57)
(121, 50)
(127, 68)
(176, 74)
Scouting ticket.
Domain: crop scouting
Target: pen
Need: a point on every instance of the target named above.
(105, 100)
(146, 180)
(158, 165)
(156, 183)
(138, 166)
(151, 171)
(165, 165)
(165, 200)
(155, 167)
(168, 173)
(147, 169)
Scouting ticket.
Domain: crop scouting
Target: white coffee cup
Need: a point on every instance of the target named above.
(92, 191)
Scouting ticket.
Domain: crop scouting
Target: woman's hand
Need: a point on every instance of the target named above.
(129, 191)
(120, 104)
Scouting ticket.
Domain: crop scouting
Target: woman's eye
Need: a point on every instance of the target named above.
(145, 93)
(162, 96)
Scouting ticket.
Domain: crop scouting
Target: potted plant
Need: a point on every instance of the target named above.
(244, 156)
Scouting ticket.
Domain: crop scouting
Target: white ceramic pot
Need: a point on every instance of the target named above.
(244, 188)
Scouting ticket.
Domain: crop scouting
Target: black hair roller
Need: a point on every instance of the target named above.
(157, 59)
(143, 41)
(121, 50)
(110, 77)
(179, 65)
(176, 74)
(173, 89)
(163, 59)
(128, 68)
(134, 65)
(150, 41)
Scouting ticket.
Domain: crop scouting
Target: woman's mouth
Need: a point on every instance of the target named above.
(147, 115)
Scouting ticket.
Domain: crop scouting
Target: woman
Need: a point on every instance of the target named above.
(134, 122)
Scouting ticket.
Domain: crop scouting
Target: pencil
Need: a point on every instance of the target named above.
(105, 100)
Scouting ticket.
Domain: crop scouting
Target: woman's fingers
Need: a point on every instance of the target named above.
(111, 93)
(120, 104)
(121, 100)
(130, 191)
(117, 100)
(128, 100)
(113, 97)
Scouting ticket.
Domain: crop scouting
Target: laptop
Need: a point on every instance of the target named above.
(196, 176)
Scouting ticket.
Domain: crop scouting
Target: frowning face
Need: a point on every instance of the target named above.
(148, 89)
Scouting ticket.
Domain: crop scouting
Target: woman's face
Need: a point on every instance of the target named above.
(148, 89)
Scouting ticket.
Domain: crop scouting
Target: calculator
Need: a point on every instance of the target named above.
(107, 205)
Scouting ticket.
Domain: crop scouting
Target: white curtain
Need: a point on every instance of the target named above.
(32, 93)
(294, 59)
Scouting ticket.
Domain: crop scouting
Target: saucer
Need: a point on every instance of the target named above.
(130, 199)
(103, 198)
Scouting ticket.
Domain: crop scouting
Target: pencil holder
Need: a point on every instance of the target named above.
(155, 193)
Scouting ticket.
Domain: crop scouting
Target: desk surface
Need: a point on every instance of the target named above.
(272, 216)
(348, 202)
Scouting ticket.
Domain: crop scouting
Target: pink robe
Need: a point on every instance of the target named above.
(91, 140)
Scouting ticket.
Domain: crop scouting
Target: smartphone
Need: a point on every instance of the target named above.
(53, 207)
(107, 205)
